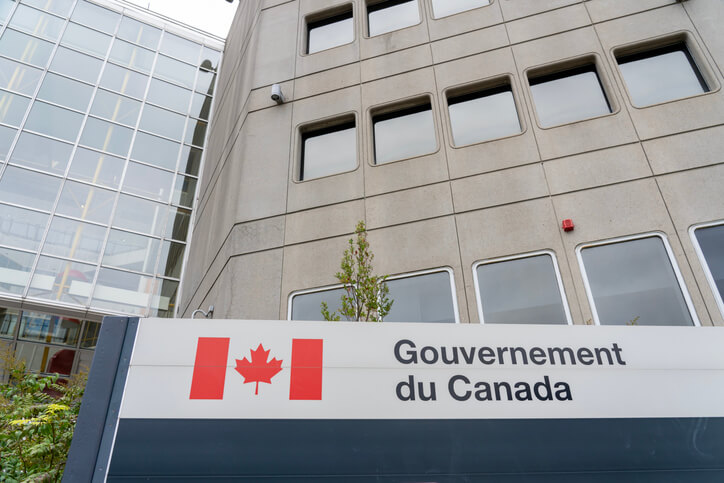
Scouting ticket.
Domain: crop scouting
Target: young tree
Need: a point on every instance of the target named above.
(365, 297)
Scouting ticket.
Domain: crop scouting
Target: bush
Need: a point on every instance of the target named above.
(37, 418)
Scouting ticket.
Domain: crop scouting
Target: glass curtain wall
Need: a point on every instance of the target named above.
(103, 121)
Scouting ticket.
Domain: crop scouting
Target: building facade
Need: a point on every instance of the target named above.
(515, 161)
(103, 117)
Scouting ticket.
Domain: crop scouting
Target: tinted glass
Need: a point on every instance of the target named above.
(404, 134)
(177, 227)
(139, 33)
(521, 291)
(18, 77)
(74, 64)
(62, 280)
(97, 17)
(329, 151)
(200, 106)
(59, 7)
(205, 82)
(36, 22)
(131, 251)
(168, 95)
(184, 191)
(133, 56)
(28, 188)
(196, 132)
(86, 202)
(163, 302)
(106, 136)
(15, 268)
(330, 32)
(162, 122)
(21, 228)
(22, 47)
(148, 182)
(483, 116)
(115, 107)
(8, 318)
(95, 167)
(155, 150)
(12, 108)
(661, 75)
(122, 291)
(634, 281)
(392, 15)
(443, 8)
(180, 48)
(711, 242)
(172, 257)
(308, 306)
(422, 298)
(74, 239)
(91, 331)
(86, 40)
(190, 160)
(210, 58)
(54, 121)
(56, 360)
(124, 81)
(6, 139)
(66, 92)
(140, 215)
(569, 96)
(41, 153)
(49, 328)
(175, 71)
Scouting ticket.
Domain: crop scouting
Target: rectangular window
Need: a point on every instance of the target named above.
(709, 242)
(443, 8)
(388, 15)
(483, 115)
(569, 96)
(418, 297)
(526, 290)
(330, 32)
(328, 151)
(634, 281)
(404, 134)
(661, 75)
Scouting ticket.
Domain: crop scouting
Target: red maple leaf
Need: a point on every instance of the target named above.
(258, 370)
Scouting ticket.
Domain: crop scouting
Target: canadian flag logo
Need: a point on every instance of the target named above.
(212, 354)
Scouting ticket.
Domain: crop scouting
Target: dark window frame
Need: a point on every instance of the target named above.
(312, 131)
(397, 110)
(315, 21)
(372, 6)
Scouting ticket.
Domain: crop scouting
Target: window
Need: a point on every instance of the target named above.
(709, 243)
(388, 15)
(483, 115)
(521, 290)
(328, 150)
(331, 31)
(661, 75)
(427, 296)
(404, 134)
(634, 281)
(568, 96)
(443, 8)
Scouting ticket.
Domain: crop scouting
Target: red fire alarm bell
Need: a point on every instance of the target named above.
(568, 225)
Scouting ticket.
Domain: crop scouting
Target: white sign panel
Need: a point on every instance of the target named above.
(340, 370)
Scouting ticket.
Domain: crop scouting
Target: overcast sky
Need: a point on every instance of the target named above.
(213, 16)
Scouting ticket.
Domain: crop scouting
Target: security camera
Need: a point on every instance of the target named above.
(276, 94)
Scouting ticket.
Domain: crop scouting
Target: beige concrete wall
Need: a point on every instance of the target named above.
(260, 234)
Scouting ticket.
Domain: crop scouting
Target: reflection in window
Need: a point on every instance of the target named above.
(25, 48)
(138, 33)
(330, 32)
(172, 257)
(53, 121)
(21, 228)
(180, 48)
(89, 339)
(307, 306)
(122, 291)
(175, 71)
(85, 202)
(6, 139)
(124, 81)
(58, 7)
(15, 270)
(155, 150)
(18, 77)
(129, 55)
(115, 107)
(388, 15)
(710, 241)
(40, 152)
(196, 132)
(86, 40)
(62, 280)
(12, 108)
(8, 319)
(569, 96)
(404, 134)
(328, 151)
(41, 327)
(36, 23)
(5, 7)
(97, 17)
(205, 82)
(210, 56)
(483, 115)
(184, 191)
(74, 239)
(108, 137)
(43, 358)
(147, 181)
(633, 282)
(28, 188)
(190, 160)
(77, 65)
(200, 106)
(131, 251)
(521, 291)
(168, 95)
(140, 215)
(661, 75)
(65, 92)
(98, 168)
(162, 122)
(443, 8)
(179, 220)
(163, 302)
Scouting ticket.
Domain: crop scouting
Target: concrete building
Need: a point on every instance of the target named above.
(464, 133)
(103, 115)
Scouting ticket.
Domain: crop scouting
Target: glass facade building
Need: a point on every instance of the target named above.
(103, 116)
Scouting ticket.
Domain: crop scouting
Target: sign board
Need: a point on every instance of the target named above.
(412, 402)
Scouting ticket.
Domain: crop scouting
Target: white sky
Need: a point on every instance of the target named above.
(213, 16)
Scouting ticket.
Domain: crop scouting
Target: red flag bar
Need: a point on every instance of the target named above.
(306, 370)
(210, 368)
